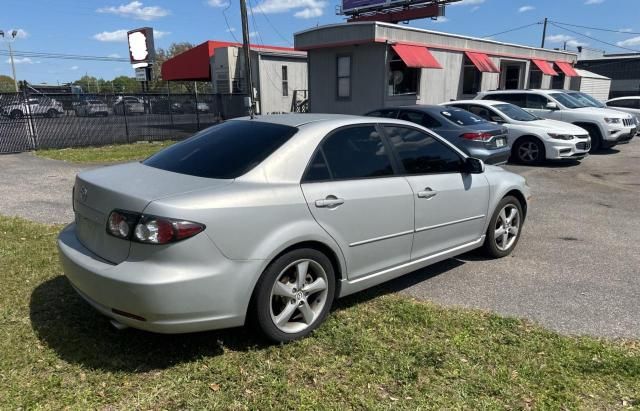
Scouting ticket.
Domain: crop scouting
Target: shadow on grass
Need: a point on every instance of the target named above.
(64, 322)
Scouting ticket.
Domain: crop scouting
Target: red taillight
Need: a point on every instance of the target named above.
(150, 229)
(477, 136)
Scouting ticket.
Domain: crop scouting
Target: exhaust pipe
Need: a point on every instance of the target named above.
(118, 325)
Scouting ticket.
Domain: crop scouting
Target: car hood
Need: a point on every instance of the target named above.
(604, 112)
(554, 126)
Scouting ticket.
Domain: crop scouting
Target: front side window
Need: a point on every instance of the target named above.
(355, 152)
(536, 102)
(483, 112)
(515, 112)
(402, 79)
(471, 77)
(225, 151)
(421, 153)
(344, 77)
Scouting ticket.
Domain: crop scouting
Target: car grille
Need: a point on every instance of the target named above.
(583, 146)
(628, 122)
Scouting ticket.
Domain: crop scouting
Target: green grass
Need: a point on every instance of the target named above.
(106, 154)
(375, 351)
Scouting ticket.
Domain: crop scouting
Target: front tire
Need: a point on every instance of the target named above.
(596, 137)
(294, 295)
(504, 228)
(529, 151)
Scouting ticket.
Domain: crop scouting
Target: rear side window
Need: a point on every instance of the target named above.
(423, 119)
(350, 153)
(421, 153)
(518, 99)
(225, 151)
(383, 113)
(461, 117)
(626, 103)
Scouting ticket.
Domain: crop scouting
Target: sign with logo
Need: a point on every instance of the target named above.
(142, 74)
(141, 46)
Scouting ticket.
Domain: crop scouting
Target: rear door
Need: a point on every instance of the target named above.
(450, 206)
(354, 193)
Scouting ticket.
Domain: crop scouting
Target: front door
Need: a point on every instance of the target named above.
(353, 192)
(450, 206)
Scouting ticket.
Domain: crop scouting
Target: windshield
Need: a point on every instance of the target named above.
(586, 99)
(462, 117)
(568, 101)
(225, 151)
(515, 112)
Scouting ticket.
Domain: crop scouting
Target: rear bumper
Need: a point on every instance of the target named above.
(162, 296)
(493, 157)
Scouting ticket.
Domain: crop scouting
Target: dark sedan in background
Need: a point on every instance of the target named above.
(472, 134)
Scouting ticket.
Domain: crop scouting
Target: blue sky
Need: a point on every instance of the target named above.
(95, 27)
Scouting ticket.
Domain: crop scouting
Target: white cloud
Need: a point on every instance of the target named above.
(467, 3)
(634, 41)
(306, 9)
(74, 67)
(24, 60)
(253, 33)
(562, 38)
(589, 2)
(442, 19)
(217, 3)
(230, 30)
(120, 36)
(114, 56)
(525, 9)
(20, 33)
(136, 10)
(626, 30)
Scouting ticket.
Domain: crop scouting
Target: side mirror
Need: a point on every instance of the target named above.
(551, 106)
(473, 166)
(497, 119)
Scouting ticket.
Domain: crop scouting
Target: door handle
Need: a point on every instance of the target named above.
(428, 193)
(329, 202)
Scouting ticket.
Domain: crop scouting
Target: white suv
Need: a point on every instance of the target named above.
(630, 105)
(532, 139)
(606, 127)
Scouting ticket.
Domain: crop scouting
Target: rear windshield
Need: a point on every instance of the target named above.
(462, 117)
(227, 150)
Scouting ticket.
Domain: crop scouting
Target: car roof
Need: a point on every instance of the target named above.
(624, 98)
(300, 119)
(478, 102)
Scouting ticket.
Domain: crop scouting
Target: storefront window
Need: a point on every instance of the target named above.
(402, 79)
(344, 77)
(285, 81)
(471, 78)
(558, 81)
(535, 78)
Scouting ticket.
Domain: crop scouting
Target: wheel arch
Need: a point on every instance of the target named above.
(526, 136)
(588, 125)
(519, 195)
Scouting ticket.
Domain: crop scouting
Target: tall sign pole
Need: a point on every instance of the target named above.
(247, 56)
(544, 32)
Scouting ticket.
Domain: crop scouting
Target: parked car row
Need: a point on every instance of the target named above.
(526, 126)
(41, 106)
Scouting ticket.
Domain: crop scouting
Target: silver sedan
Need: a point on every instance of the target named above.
(274, 218)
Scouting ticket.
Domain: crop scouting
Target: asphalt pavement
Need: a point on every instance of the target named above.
(576, 268)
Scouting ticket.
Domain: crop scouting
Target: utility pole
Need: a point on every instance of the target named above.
(247, 56)
(544, 31)
(14, 33)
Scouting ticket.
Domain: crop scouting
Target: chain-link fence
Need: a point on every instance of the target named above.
(31, 121)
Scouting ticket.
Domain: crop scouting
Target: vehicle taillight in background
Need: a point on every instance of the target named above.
(150, 229)
(477, 136)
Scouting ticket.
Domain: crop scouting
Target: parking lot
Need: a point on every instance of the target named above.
(575, 270)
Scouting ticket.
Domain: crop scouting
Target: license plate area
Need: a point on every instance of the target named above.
(501, 142)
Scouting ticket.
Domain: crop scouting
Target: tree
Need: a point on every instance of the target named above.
(7, 85)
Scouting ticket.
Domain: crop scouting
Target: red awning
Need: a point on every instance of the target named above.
(416, 56)
(545, 67)
(482, 62)
(567, 69)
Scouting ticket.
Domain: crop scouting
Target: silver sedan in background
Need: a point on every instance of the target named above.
(275, 218)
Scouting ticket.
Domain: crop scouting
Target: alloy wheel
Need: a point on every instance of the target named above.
(298, 296)
(528, 152)
(507, 227)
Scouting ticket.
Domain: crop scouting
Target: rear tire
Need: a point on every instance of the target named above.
(52, 113)
(504, 228)
(16, 114)
(529, 150)
(294, 295)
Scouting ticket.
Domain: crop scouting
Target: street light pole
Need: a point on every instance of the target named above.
(14, 33)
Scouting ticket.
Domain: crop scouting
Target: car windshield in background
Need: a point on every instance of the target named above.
(568, 101)
(225, 151)
(587, 100)
(515, 113)
(462, 117)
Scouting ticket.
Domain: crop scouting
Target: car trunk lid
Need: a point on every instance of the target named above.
(129, 187)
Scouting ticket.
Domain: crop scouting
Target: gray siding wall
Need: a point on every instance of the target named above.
(438, 86)
(270, 78)
(368, 81)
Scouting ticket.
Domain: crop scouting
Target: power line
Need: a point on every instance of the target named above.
(60, 56)
(286, 40)
(226, 20)
(514, 29)
(593, 38)
(595, 28)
